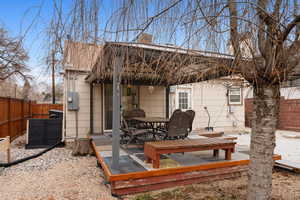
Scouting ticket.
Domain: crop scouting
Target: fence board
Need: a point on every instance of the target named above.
(289, 114)
(15, 112)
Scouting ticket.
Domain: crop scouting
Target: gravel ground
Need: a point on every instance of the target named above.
(56, 175)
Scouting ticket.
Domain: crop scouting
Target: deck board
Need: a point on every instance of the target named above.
(127, 165)
(294, 166)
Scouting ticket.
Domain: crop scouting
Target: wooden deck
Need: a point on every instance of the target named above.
(136, 176)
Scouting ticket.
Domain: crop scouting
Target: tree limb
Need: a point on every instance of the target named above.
(289, 28)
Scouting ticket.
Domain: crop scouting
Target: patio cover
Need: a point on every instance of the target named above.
(149, 64)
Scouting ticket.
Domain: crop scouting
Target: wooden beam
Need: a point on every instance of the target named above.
(101, 161)
(157, 183)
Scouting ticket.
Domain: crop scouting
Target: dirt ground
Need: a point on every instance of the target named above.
(286, 186)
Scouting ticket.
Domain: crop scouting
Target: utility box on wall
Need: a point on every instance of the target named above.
(73, 101)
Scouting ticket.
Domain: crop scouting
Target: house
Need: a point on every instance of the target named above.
(78, 62)
(118, 76)
(89, 102)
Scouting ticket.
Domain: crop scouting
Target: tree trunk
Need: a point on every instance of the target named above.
(265, 115)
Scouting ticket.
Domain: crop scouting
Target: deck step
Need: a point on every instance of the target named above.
(290, 165)
(161, 182)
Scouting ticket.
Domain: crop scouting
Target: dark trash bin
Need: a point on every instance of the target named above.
(43, 133)
(56, 114)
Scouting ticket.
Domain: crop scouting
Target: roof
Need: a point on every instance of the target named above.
(80, 56)
(151, 64)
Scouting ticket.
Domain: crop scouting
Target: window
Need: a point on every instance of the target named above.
(235, 96)
(183, 100)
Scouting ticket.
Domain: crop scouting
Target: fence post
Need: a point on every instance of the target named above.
(9, 117)
(23, 116)
(30, 109)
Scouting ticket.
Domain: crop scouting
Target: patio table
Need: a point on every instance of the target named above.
(151, 119)
(153, 150)
(153, 122)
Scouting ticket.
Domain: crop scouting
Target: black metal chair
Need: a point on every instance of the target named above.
(136, 112)
(133, 134)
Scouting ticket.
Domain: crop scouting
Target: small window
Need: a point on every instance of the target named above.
(235, 96)
(183, 100)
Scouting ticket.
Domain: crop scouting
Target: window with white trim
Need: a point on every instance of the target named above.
(183, 100)
(235, 96)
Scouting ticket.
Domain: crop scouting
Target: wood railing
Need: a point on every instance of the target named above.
(15, 112)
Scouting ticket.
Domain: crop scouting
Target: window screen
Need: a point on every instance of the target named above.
(235, 96)
(183, 100)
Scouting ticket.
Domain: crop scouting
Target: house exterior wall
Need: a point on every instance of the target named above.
(286, 93)
(74, 81)
(213, 96)
(153, 103)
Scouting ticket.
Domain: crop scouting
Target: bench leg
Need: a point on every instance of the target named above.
(216, 152)
(228, 154)
(147, 159)
(156, 161)
(233, 150)
(8, 155)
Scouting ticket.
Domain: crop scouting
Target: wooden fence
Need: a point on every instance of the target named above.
(15, 112)
(289, 114)
(41, 110)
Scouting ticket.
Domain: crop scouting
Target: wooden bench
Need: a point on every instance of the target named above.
(153, 150)
(5, 146)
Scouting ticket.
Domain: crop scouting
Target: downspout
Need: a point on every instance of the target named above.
(102, 108)
(91, 109)
(167, 101)
(76, 124)
(65, 104)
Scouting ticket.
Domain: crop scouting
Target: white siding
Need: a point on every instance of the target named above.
(154, 104)
(83, 88)
(287, 93)
(213, 96)
(98, 109)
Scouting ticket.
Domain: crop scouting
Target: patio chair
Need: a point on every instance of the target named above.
(178, 126)
(191, 114)
(133, 134)
(164, 127)
(136, 112)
